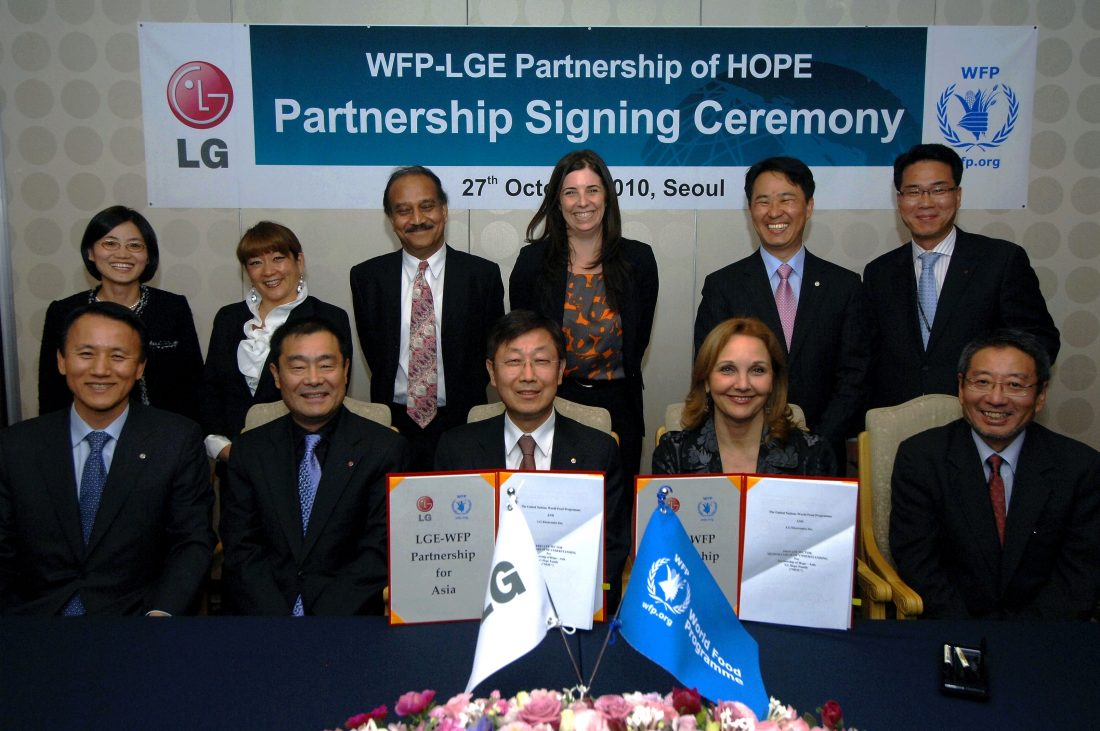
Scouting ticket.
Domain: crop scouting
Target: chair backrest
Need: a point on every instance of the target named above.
(673, 412)
(887, 428)
(593, 416)
(262, 413)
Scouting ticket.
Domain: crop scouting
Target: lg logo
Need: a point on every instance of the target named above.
(201, 97)
(504, 585)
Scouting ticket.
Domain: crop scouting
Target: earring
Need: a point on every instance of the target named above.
(253, 296)
(301, 285)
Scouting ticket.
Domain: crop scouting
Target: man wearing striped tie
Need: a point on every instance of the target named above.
(105, 506)
(304, 509)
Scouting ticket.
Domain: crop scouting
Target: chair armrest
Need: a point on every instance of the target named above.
(876, 591)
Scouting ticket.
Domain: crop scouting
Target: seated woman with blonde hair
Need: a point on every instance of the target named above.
(736, 418)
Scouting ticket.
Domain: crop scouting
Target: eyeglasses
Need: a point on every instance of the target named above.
(1010, 388)
(938, 192)
(539, 364)
(111, 245)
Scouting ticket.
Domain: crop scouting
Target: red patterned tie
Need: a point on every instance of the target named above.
(423, 375)
(785, 302)
(997, 494)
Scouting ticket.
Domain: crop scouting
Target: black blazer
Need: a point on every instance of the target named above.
(339, 567)
(944, 540)
(527, 289)
(480, 446)
(990, 284)
(173, 371)
(226, 398)
(473, 299)
(830, 347)
(152, 540)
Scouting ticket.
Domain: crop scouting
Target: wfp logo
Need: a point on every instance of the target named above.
(669, 587)
(975, 112)
(461, 505)
(708, 507)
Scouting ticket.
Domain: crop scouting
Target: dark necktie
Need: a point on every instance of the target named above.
(423, 373)
(997, 494)
(309, 476)
(785, 302)
(527, 447)
(92, 480)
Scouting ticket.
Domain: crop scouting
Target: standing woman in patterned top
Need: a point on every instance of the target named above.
(580, 271)
(119, 248)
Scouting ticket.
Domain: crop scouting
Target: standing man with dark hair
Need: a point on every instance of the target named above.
(304, 509)
(525, 359)
(930, 297)
(423, 314)
(993, 515)
(105, 507)
(814, 307)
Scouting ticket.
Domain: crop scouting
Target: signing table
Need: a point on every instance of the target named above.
(310, 674)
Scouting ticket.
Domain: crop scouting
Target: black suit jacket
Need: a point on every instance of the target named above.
(944, 539)
(152, 540)
(173, 369)
(480, 446)
(226, 398)
(473, 299)
(990, 284)
(830, 347)
(528, 289)
(339, 567)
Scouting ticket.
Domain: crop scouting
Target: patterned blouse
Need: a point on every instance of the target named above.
(695, 451)
(593, 331)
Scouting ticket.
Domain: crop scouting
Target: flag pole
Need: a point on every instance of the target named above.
(662, 495)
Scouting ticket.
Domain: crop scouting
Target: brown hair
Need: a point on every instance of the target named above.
(697, 406)
(265, 237)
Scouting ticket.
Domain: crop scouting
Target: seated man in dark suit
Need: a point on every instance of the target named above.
(525, 358)
(105, 507)
(304, 508)
(995, 516)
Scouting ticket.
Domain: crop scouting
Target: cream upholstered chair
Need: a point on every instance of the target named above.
(886, 429)
(262, 413)
(673, 412)
(593, 416)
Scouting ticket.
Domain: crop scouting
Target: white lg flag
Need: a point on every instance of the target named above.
(518, 611)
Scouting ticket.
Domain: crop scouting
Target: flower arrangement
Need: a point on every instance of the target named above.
(570, 710)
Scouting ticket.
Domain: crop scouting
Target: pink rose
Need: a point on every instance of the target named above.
(413, 703)
(515, 726)
(797, 725)
(832, 717)
(544, 707)
(736, 710)
(457, 705)
(614, 707)
(589, 720)
(686, 723)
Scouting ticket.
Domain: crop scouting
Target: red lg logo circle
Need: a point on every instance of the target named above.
(674, 504)
(424, 504)
(200, 95)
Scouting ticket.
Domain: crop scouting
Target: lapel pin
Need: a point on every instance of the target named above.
(817, 284)
(351, 463)
(141, 456)
(572, 460)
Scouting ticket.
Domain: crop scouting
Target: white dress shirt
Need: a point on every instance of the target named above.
(544, 443)
(945, 247)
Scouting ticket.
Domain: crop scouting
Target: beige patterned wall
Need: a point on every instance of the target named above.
(70, 115)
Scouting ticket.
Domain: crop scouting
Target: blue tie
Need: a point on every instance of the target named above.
(92, 480)
(309, 475)
(926, 293)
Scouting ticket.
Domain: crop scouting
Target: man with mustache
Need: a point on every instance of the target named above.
(423, 314)
(304, 507)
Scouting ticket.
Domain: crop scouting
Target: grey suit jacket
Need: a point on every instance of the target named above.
(339, 566)
(152, 540)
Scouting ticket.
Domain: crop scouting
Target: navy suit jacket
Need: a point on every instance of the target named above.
(944, 539)
(990, 284)
(830, 347)
(480, 446)
(152, 540)
(473, 299)
(339, 566)
(226, 397)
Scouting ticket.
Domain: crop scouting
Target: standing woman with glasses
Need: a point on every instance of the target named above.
(579, 270)
(237, 375)
(119, 248)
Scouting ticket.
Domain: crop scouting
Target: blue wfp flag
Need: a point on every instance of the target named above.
(674, 613)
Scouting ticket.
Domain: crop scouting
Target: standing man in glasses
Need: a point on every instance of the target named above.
(928, 298)
(994, 516)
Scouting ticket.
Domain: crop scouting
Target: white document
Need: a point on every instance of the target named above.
(799, 551)
(565, 514)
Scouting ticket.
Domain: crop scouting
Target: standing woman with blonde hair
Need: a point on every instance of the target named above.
(579, 270)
